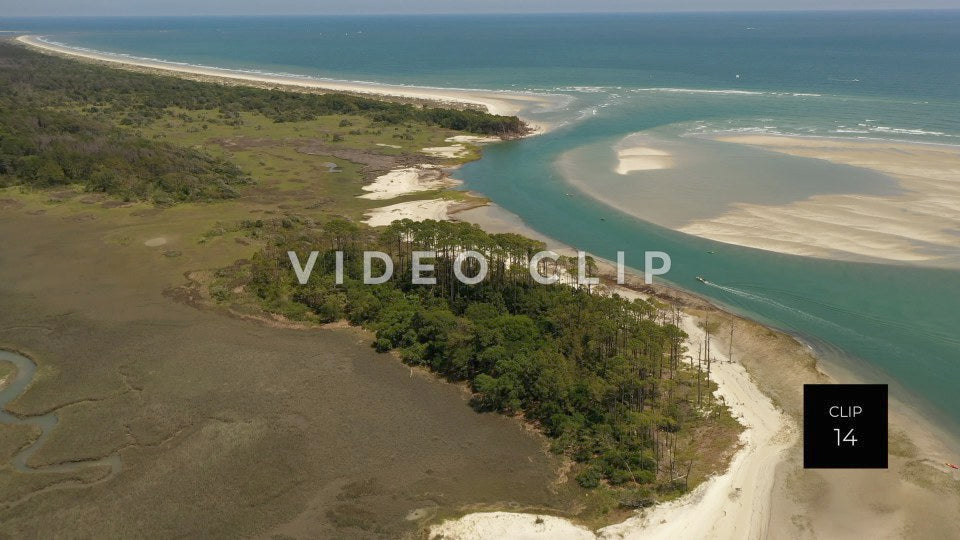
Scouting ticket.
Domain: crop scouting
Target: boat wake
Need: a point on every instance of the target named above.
(763, 296)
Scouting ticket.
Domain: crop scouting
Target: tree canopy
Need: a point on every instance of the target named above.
(69, 122)
(601, 375)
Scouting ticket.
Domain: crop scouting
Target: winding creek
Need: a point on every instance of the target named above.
(26, 369)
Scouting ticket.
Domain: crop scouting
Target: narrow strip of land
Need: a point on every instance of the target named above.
(504, 103)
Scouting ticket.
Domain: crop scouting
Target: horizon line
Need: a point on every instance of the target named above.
(491, 13)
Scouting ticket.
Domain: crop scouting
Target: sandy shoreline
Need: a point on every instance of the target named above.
(917, 226)
(765, 492)
(503, 103)
(768, 434)
(735, 504)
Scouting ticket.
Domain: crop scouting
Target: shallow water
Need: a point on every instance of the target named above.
(708, 177)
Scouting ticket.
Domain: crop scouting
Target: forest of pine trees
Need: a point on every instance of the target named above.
(604, 377)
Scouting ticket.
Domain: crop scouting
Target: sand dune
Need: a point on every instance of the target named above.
(474, 139)
(450, 152)
(437, 209)
(407, 180)
(642, 158)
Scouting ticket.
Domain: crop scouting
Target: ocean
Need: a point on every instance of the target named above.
(672, 78)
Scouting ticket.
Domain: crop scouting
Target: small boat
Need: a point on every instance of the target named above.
(952, 466)
(701, 280)
(711, 252)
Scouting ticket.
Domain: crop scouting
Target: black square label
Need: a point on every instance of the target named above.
(845, 426)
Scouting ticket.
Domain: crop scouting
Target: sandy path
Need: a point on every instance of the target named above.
(505, 103)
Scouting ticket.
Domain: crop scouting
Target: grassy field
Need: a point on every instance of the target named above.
(224, 426)
(271, 430)
(314, 168)
(301, 170)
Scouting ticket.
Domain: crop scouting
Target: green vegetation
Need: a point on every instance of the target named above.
(42, 80)
(48, 148)
(602, 376)
(135, 135)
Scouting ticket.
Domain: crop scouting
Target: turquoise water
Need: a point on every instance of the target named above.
(885, 75)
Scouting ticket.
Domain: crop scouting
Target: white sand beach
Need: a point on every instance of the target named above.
(407, 180)
(473, 139)
(918, 226)
(510, 526)
(437, 209)
(735, 504)
(450, 152)
(642, 158)
(504, 103)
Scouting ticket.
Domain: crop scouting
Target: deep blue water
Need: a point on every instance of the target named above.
(893, 75)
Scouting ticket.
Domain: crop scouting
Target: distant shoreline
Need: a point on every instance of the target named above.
(500, 103)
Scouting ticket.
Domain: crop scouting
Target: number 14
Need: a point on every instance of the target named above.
(846, 438)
